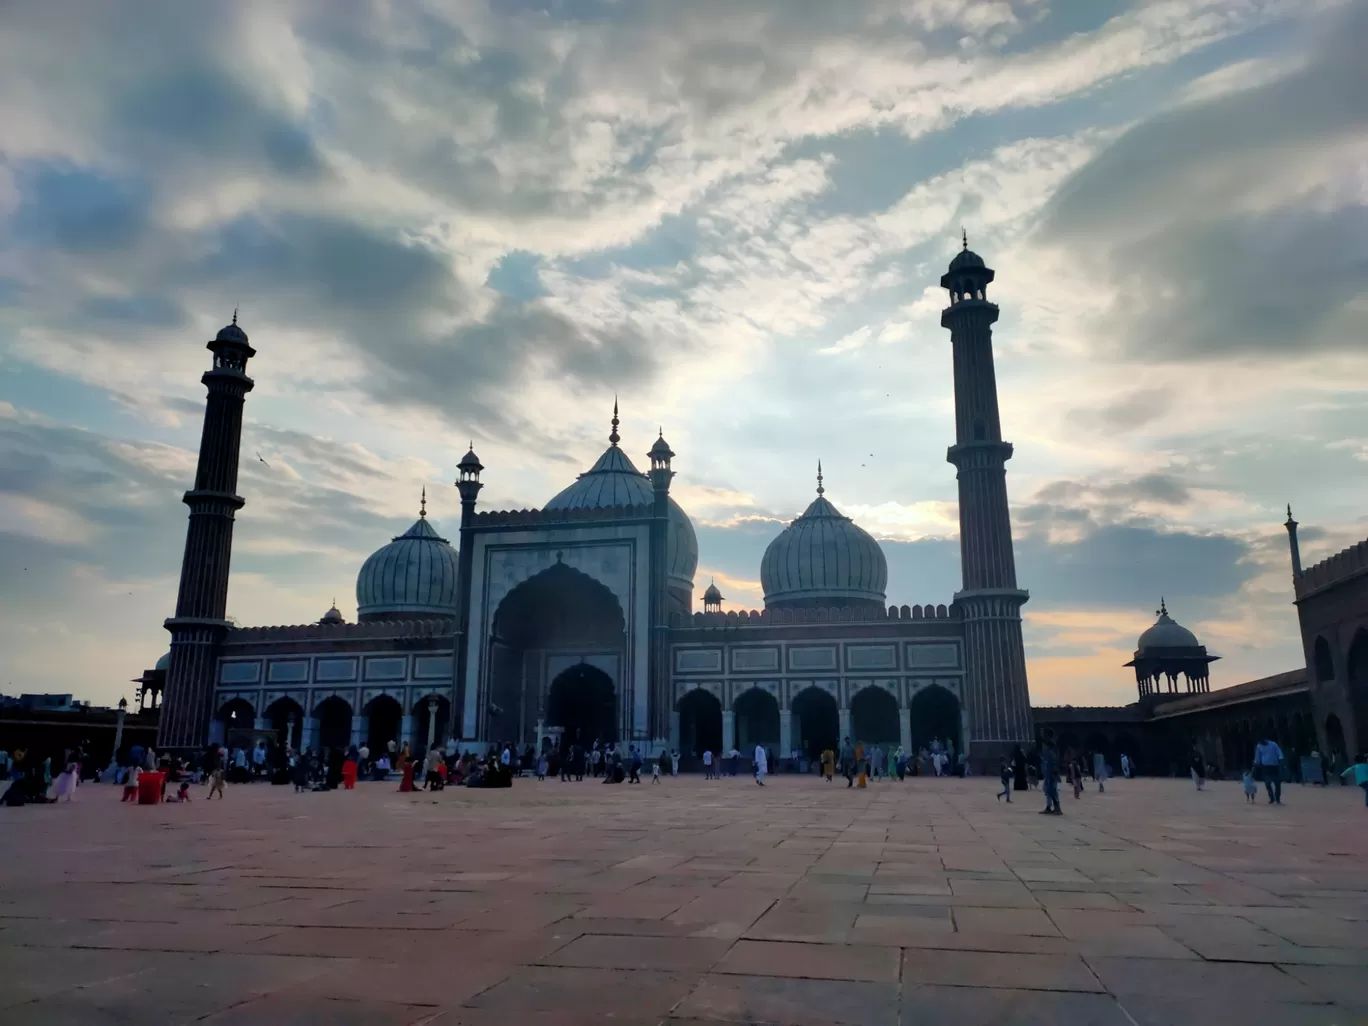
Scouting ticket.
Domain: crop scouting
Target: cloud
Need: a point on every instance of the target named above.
(1197, 255)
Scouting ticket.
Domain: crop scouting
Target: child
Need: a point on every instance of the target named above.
(543, 764)
(1005, 775)
(655, 772)
(216, 783)
(1360, 771)
(1251, 789)
(183, 795)
(131, 784)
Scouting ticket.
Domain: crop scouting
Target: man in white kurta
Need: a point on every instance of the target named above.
(761, 764)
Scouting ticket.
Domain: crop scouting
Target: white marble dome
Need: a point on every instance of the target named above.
(823, 559)
(413, 577)
(614, 481)
(1166, 633)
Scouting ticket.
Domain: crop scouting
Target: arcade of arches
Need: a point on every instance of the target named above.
(558, 612)
(812, 721)
(333, 723)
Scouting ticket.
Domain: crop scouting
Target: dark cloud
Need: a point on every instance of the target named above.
(1218, 223)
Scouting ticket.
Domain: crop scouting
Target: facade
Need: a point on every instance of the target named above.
(575, 621)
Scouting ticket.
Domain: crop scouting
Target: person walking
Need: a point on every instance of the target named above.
(1100, 770)
(848, 762)
(216, 783)
(1049, 775)
(1005, 776)
(1360, 773)
(1019, 782)
(1125, 765)
(761, 764)
(707, 764)
(1268, 767)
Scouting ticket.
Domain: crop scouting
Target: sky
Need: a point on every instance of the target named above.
(446, 221)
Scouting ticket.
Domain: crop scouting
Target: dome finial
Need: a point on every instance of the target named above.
(1163, 606)
(614, 437)
(235, 315)
(964, 236)
(820, 489)
(422, 504)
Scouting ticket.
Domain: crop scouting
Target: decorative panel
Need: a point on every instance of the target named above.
(386, 668)
(288, 671)
(698, 660)
(239, 673)
(425, 667)
(871, 657)
(919, 656)
(744, 659)
(812, 658)
(335, 669)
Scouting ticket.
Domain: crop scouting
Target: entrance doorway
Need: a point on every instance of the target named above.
(583, 703)
(819, 722)
(874, 717)
(935, 715)
(386, 716)
(757, 721)
(334, 717)
(700, 724)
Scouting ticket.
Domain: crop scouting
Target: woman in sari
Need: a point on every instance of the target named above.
(406, 767)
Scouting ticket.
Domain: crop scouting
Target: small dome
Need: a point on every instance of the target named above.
(712, 594)
(164, 663)
(231, 332)
(333, 615)
(470, 461)
(614, 481)
(823, 559)
(412, 577)
(661, 449)
(966, 258)
(1167, 633)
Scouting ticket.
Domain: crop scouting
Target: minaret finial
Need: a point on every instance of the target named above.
(820, 489)
(1289, 511)
(964, 235)
(614, 437)
(234, 315)
(422, 504)
(1163, 606)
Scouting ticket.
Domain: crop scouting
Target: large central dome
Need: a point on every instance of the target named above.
(823, 559)
(614, 481)
(411, 578)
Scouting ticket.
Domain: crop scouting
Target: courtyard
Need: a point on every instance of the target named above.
(688, 903)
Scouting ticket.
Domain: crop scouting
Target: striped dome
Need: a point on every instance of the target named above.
(412, 577)
(614, 481)
(823, 559)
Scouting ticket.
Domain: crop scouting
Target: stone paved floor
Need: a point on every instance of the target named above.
(803, 903)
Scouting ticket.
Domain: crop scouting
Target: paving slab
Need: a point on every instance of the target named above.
(689, 903)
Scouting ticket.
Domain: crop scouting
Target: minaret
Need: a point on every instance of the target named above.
(1291, 526)
(659, 705)
(468, 484)
(199, 626)
(713, 598)
(997, 703)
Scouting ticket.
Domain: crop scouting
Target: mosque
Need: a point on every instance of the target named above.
(576, 621)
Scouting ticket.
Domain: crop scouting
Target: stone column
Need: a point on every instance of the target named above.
(261, 723)
(290, 730)
(432, 723)
(728, 731)
(309, 732)
(541, 733)
(905, 729)
(674, 731)
(405, 730)
(358, 731)
(845, 723)
(785, 733)
(113, 771)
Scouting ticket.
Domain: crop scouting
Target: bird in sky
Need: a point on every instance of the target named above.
(259, 456)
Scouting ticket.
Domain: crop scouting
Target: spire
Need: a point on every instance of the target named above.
(614, 437)
(235, 315)
(422, 510)
(820, 489)
(964, 236)
(1163, 607)
(1289, 514)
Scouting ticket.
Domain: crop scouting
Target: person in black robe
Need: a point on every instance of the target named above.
(334, 768)
(1019, 782)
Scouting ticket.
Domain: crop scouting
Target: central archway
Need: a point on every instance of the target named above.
(334, 717)
(700, 724)
(757, 720)
(385, 716)
(583, 704)
(819, 722)
(874, 717)
(560, 611)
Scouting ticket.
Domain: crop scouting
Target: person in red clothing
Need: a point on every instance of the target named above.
(349, 774)
(406, 766)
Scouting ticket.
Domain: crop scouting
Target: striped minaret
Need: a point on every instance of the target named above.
(199, 626)
(997, 704)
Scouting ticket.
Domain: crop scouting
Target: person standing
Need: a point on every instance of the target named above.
(1268, 766)
(848, 762)
(828, 763)
(216, 783)
(1100, 770)
(1198, 768)
(761, 764)
(1125, 765)
(707, 764)
(1360, 773)
(1019, 782)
